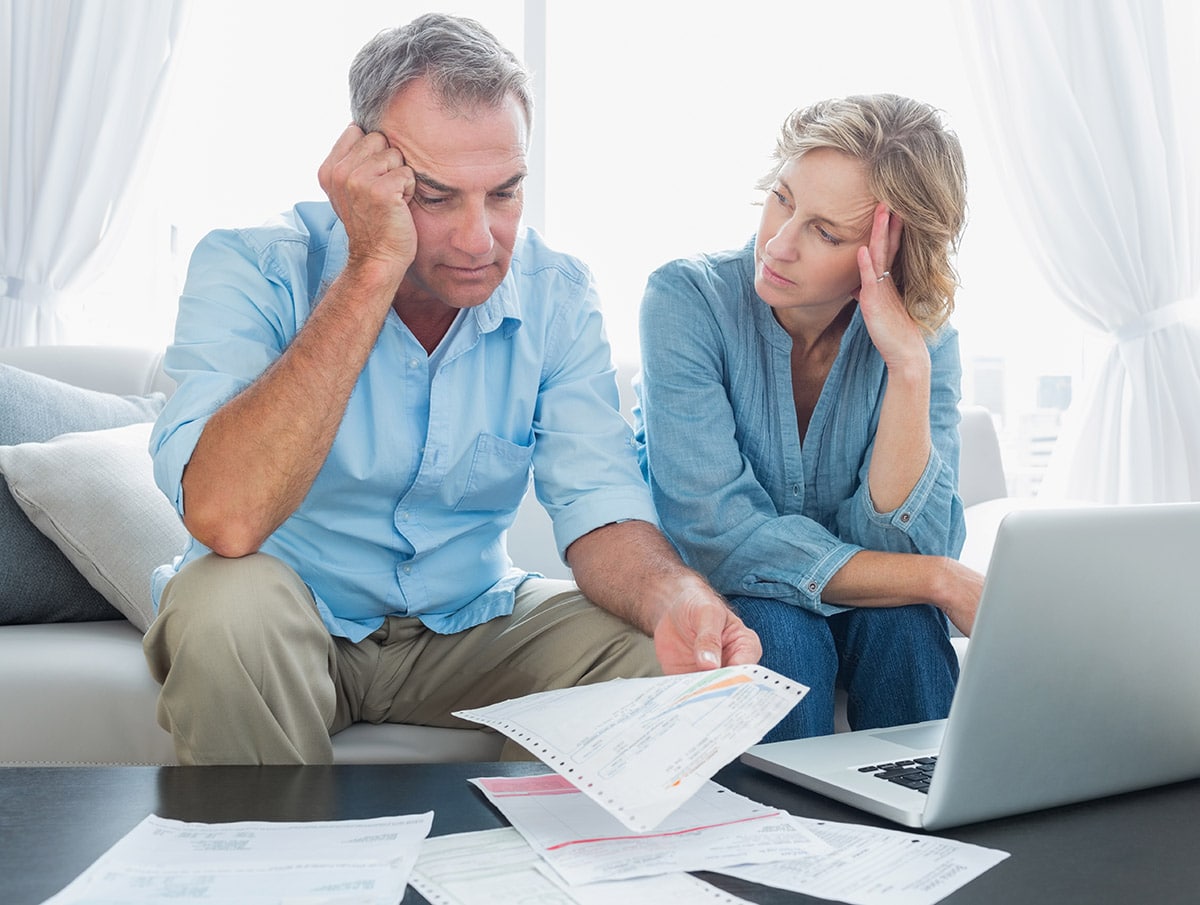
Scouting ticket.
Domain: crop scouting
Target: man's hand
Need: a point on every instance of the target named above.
(370, 188)
(700, 632)
(631, 570)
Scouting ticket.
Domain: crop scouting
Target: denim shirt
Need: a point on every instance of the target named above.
(408, 514)
(745, 502)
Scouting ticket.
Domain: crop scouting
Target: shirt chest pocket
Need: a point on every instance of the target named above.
(493, 477)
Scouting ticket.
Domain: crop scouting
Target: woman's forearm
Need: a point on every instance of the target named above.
(903, 440)
(875, 579)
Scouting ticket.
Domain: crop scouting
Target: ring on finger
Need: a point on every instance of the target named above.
(883, 276)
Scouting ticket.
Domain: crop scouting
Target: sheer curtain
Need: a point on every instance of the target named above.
(1092, 106)
(82, 90)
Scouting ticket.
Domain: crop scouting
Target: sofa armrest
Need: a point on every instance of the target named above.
(980, 469)
(96, 703)
(125, 370)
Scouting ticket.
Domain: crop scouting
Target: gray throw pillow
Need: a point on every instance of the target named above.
(93, 494)
(37, 582)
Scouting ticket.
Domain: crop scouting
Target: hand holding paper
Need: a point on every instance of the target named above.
(642, 747)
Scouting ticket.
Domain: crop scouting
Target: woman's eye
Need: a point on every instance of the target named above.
(779, 196)
(831, 239)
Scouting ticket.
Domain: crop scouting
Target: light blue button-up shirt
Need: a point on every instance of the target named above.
(746, 504)
(435, 452)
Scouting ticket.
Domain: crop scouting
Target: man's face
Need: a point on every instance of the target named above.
(467, 206)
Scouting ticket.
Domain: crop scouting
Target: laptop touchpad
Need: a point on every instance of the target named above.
(920, 738)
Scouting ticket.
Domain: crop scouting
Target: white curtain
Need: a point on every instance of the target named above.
(82, 87)
(1094, 109)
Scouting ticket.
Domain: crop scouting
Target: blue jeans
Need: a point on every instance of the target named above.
(896, 664)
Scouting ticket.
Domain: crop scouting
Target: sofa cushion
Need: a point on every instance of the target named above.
(78, 693)
(37, 582)
(93, 679)
(93, 495)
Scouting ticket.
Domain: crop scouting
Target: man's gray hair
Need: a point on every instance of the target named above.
(465, 64)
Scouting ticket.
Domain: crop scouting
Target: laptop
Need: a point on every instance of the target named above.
(1081, 680)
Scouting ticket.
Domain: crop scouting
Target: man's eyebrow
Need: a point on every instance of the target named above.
(429, 182)
(512, 182)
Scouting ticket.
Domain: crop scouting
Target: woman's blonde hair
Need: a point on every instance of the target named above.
(915, 166)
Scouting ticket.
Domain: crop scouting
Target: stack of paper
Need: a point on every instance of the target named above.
(642, 747)
(632, 803)
(631, 808)
(343, 862)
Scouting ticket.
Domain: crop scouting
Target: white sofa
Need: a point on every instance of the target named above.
(79, 692)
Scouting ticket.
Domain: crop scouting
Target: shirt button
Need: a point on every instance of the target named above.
(812, 587)
(905, 517)
(408, 570)
(404, 516)
(795, 490)
(412, 363)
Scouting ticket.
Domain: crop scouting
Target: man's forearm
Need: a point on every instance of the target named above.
(632, 571)
(259, 453)
(621, 566)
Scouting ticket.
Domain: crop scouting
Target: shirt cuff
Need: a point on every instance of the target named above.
(600, 508)
(808, 586)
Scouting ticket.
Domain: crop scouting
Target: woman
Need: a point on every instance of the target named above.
(798, 414)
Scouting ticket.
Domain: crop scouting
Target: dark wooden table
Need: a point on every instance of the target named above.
(1143, 847)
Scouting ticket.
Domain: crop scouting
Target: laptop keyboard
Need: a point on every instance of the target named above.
(912, 774)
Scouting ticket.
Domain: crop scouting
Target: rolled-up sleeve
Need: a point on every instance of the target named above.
(235, 317)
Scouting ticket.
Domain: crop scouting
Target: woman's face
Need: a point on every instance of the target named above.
(815, 217)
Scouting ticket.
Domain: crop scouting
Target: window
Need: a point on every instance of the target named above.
(660, 123)
(259, 97)
(653, 128)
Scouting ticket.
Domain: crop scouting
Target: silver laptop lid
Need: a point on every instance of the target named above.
(1083, 672)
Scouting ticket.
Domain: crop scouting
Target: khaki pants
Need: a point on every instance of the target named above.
(250, 674)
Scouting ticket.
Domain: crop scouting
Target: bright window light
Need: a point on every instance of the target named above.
(656, 121)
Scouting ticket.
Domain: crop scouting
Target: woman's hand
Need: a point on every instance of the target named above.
(893, 331)
(902, 440)
(959, 591)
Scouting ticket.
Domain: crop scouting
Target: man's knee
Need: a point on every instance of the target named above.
(218, 608)
(230, 589)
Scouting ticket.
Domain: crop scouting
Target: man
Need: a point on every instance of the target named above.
(364, 389)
